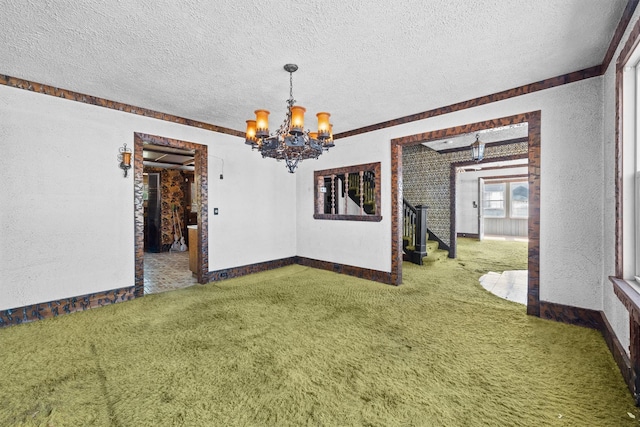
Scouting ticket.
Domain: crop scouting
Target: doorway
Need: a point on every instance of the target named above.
(533, 120)
(167, 227)
(492, 200)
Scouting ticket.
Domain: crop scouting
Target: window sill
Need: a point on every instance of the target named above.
(629, 294)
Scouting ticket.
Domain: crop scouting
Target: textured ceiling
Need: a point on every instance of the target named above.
(363, 61)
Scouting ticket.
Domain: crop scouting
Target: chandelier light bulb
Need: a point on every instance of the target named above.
(251, 130)
(297, 119)
(262, 123)
(323, 124)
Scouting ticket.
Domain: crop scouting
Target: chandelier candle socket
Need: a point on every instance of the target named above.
(291, 142)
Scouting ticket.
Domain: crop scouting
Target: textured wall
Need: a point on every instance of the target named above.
(68, 214)
(426, 176)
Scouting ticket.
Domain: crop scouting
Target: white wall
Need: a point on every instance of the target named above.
(571, 186)
(356, 243)
(67, 213)
(467, 193)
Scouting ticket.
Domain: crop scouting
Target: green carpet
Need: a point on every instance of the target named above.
(298, 346)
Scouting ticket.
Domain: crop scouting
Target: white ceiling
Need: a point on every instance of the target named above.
(363, 61)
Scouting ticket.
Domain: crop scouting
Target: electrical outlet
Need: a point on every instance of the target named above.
(215, 211)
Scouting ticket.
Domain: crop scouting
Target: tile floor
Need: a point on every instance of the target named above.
(166, 271)
(510, 285)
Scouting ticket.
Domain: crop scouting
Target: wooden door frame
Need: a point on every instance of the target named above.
(201, 180)
(533, 119)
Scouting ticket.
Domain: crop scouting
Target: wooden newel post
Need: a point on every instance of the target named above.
(421, 234)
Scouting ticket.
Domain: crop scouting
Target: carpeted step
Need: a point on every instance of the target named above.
(432, 246)
(435, 256)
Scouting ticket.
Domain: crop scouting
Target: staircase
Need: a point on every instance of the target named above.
(416, 246)
(361, 190)
(434, 253)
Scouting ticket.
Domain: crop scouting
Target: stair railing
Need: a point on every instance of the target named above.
(415, 231)
(409, 223)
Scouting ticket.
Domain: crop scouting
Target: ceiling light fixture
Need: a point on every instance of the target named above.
(477, 149)
(290, 142)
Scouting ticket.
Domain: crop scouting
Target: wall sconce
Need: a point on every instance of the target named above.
(477, 149)
(125, 159)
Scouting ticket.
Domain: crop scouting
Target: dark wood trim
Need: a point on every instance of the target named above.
(505, 178)
(40, 311)
(362, 273)
(628, 48)
(375, 167)
(533, 119)
(113, 105)
(629, 297)
(453, 191)
(596, 319)
(492, 144)
(397, 211)
(475, 102)
(497, 167)
(201, 181)
(617, 35)
(468, 235)
(441, 244)
(342, 217)
(578, 316)
(623, 58)
(620, 356)
(46, 310)
(230, 273)
(318, 181)
(619, 182)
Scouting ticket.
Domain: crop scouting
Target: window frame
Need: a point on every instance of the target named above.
(318, 180)
(503, 200)
(511, 185)
(628, 266)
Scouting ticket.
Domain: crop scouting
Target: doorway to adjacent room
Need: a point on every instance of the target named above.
(170, 213)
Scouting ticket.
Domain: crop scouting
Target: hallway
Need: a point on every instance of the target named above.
(167, 271)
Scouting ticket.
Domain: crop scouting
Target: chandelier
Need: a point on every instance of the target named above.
(290, 142)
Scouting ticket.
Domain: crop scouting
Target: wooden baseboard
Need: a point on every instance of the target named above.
(469, 235)
(594, 319)
(229, 273)
(45, 310)
(15, 316)
(620, 356)
(572, 315)
(363, 273)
